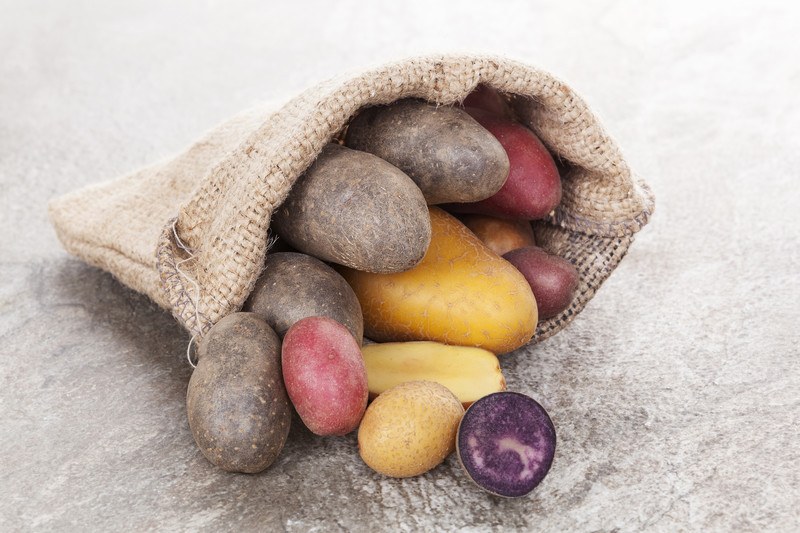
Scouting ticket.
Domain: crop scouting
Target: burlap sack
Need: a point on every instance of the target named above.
(191, 232)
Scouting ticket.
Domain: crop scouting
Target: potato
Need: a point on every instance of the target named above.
(461, 293)
(533, 188)
(409, 429)
(468, 372)
(238, 410)
(324, 375)
(295, 286)
(444, 150)
(488, 99)
(506, 443)
(355, 209)
(500, 235)
(553, 279)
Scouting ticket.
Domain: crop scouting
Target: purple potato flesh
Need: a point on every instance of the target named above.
(506, 442)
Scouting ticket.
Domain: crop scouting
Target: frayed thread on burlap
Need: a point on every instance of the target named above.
(185, 308)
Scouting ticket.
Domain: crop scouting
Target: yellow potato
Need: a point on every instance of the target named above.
(461, 293)
(409, 429)
(468, 372)
(499, 234)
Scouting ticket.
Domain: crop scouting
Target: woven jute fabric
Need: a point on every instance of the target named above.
(191, 232)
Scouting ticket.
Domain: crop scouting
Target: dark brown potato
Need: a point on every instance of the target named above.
(446, 152)
(355, 209)
(533, 188)
(553, 279)
(295, 286)
(239, 412)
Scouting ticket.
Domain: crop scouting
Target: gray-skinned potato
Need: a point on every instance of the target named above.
(239, 412)
(357, 210)
(294, 286)
(448, 154)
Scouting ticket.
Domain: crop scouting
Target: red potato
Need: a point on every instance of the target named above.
(488, 99)
(533, 187)
(553, 279)
(499, 234)
(325, 375)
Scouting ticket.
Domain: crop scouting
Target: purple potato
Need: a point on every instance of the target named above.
(506, 442)
(553, 280)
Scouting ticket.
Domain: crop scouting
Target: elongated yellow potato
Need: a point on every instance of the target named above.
(470, 373)
(461, 293)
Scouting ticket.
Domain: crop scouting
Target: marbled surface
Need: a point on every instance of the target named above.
(675, 395)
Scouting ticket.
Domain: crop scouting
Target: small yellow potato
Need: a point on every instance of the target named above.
(499, 234)
(469, 373)
(409, 429)
(461, 293)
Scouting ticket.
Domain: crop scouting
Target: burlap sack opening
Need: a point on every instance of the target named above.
(191, 232)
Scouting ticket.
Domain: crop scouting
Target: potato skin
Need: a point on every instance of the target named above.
(238, 409)
(533, 188)
(553, 279)
(488, 99)
(461, 293)
(355, 209)
(499, 234)
(324, 375)
(295, 286)
(409, 429)
(444, 150)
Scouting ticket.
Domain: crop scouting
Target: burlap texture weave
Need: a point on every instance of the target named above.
(191, 232)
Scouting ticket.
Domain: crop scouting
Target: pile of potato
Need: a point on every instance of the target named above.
(442, 290)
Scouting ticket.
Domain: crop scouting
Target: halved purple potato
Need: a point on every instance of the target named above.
(506, 442)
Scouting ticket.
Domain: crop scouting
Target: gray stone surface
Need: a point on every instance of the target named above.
(675, 394)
